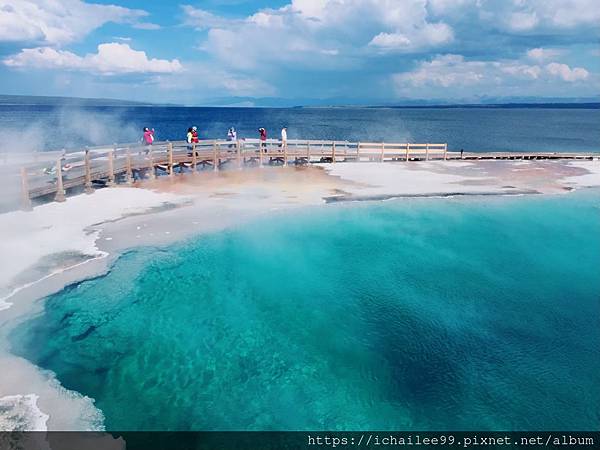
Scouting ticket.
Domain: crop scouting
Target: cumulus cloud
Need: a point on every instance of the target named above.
(444, 71)
(534, 15)
(565, 73)
(456, 73)
(314, 31)
(55, 23)
(522, 16)
(427, 36)
(111, 58)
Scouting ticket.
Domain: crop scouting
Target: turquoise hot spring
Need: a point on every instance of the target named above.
(432, 314)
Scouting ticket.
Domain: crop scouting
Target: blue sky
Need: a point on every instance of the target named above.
(341, 51)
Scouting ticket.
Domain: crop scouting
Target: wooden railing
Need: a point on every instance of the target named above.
(121, 162)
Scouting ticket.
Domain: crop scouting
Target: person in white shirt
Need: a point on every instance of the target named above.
(283, 136)
(231, 136)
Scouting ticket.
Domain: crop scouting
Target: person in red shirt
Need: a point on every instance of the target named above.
(148, 136)
(263, 139)
(195, 138)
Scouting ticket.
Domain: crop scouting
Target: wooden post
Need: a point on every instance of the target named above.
(332, 151)
(60, 189)
(382, 150)
(407, 150)
(215, 159)
(307, 152)
(25, 199)
(170, 152)
(358, 151)
(285, 153)
(129, 169)
(426, 152)
(88, 173)
(238, 151)
(151, 161)
(194, 158)
(111, 167)
(445, 151)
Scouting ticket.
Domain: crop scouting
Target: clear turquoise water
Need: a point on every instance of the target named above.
(413, 314)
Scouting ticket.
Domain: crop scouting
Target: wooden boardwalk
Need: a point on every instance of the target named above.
(121, 163)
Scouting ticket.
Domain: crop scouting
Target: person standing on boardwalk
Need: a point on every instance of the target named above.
(263, 139)
(195, 139)
(283, 137)
(188, 138)
(231, 136)
(148, 137)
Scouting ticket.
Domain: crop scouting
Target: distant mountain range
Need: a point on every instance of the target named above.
(275, 102)
(508, 102)
(66, 101)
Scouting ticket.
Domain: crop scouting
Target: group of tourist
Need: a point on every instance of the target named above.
(193, 138)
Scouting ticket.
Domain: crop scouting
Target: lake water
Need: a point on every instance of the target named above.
(473, 129)
(426, 314)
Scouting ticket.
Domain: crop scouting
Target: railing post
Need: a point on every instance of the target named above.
(111, 166)
(445, 151)
(382, 150)
(60, 189)
(151, 164)
(307, 152)
(285, 153)
(25, 199)
(333, 151)
(170, 165)
(129, 169)
(407, 150)
(358, 151)
(238, 151)
(88, 173)
(215, 159)
(426, 152)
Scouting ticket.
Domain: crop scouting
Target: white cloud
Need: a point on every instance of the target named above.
(111, 58)
(55, 23)
(533, 15)
(320, 33)
(203, 20)
(447, 6)
(522, 16)
(522, 21)
(520, 70)
(565, 73)
(458, 74)
(427, 36)
(542, 54)
(444, 71)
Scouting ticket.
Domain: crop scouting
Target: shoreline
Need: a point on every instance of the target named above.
(191, 206)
